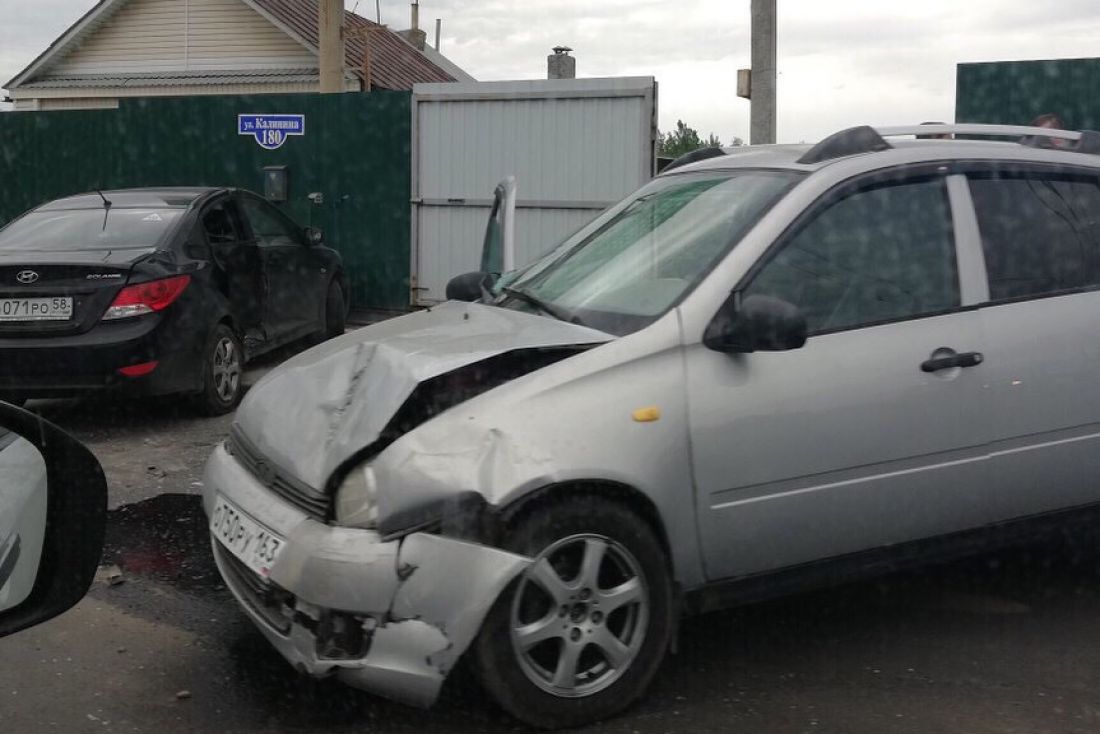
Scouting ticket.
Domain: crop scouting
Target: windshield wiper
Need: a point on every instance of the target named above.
(552, 309)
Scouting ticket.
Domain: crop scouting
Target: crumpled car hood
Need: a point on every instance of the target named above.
(313, 412)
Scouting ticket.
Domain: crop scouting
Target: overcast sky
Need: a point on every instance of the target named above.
(841, 62)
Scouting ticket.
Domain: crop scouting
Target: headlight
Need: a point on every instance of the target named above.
(357, 499)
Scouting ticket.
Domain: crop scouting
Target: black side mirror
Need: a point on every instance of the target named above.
(53, 514)
(755, 324)
(314, 236)
(470, 286)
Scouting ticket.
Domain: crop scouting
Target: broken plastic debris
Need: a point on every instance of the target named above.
(113, 575)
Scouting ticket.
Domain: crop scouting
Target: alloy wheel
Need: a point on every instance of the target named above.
(579, 616)
(226, 369)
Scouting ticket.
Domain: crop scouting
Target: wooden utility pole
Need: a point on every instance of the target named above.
(330, 22)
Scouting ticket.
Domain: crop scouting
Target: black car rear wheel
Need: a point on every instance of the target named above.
(222, 372)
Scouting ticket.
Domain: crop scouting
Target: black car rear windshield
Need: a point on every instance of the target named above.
(88, 229)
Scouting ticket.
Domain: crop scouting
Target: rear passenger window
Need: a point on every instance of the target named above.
(879, 254)
(1039, 233)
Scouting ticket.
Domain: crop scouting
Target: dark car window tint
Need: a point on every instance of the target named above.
(221, 225)
(88, 229)
(268, 226)
(1039, 233)
(876, 255)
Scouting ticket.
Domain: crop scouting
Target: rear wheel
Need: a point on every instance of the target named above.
(579, 636)
(222, 372)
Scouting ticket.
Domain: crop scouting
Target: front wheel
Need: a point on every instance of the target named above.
(580, 634)
(222, 372)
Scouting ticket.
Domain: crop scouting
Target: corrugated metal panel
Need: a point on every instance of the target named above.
(184, 34)
(564, 149)
(355, 152)
(453, 235)
(567, 142)
(1015, 92)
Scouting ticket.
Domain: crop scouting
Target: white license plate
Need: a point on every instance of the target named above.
(256, 546)
(56, 308)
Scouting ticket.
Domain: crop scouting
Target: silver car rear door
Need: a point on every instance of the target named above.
(1040, 229)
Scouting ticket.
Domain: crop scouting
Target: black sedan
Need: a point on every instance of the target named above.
(157, 291)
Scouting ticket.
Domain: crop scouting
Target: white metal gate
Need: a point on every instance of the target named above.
(575, 146)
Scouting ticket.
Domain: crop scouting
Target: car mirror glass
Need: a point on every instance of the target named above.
(756, 323)
(23, 489)
(470, 287)
(53, 515)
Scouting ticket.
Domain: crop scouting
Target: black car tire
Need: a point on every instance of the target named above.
(514, 677)
(219, 397)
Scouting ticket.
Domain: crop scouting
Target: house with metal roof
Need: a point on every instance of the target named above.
(147, 48)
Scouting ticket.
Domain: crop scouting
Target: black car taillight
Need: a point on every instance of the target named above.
(143, 298)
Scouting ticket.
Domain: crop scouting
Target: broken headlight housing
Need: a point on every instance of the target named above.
(357, 498)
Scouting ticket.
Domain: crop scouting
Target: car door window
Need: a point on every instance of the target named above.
(269, 226)
(1039, 232)
(220, 224)
(881, 253)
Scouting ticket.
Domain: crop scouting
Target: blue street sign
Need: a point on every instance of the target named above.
(271, 131)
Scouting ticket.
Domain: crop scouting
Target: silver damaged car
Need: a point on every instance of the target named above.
(765, 371)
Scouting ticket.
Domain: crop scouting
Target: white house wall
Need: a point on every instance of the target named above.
(188, 35)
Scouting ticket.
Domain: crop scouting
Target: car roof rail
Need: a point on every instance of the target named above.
(866, 139)
(854, 140)
(972, 128)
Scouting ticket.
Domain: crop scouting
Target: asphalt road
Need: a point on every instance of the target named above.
(1002, 643)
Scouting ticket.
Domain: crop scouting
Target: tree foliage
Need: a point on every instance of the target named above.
(685, 139)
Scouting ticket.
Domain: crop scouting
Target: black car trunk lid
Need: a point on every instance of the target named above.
(91, 279)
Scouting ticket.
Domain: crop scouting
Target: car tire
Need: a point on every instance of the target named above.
(571, 627)
(222, 372)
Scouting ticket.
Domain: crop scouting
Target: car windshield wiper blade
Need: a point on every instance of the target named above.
(552, 309)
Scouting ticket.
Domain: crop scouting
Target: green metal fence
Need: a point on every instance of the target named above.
(355, 153)
(1015, 92)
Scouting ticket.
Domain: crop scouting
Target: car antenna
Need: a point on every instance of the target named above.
(106, 208)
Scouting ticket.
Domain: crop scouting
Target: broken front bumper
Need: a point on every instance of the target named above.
(391, 617)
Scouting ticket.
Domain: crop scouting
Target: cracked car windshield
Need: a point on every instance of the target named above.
(482, 367)
(643, 259)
